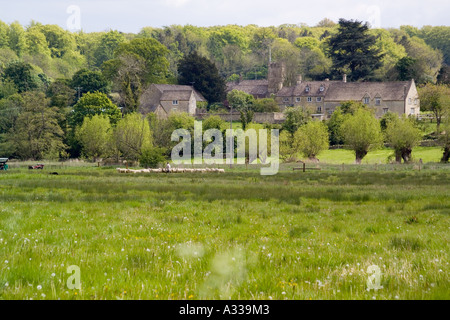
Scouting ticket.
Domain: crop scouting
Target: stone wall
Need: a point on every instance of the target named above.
(259, 117)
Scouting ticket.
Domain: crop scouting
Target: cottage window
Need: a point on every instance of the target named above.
(385, 110)
(413, 110)
(322, 88)
(307, 89)
(297, 99)
(366, 100)
(378, 101)
(175, 102)
(416, 101)
(409, 101)
(309, 99)
(286, 100)
(319, 109)
(319, 99)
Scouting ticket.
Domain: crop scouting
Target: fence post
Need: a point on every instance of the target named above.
(304, 167)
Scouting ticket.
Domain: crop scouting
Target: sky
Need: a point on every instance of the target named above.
(133, 15)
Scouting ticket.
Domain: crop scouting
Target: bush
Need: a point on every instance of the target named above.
(152, 157)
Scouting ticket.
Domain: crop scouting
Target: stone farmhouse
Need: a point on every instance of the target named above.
(163, 99)
(322, 97)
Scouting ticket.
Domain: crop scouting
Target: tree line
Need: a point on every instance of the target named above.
(52, 80)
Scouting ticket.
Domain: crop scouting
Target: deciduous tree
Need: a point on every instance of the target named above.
(361, 132)
(94, 136)
(132, 135)
(311, 139)
(403, 136)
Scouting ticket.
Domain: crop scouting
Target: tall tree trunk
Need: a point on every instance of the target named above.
(446, 155)
(398, 156)
(360, 154)
(406, 154)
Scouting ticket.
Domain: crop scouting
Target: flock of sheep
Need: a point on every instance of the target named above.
(171, 170)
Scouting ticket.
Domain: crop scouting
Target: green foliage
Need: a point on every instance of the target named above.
(427, 61)
(60, 42)
(438, 38)
(311, 139)
(37, 134)
(403, 136)
(334, 127)
(435, 98)
(152, 157)
(94, 103)
(89, 81)
(307, 42)
(10, 109)
(132, 135)
(203, 75)
(387, 118)
(94, 136)
(213, 122)
(137, 63)
(287, 149)
(444, 140)
(265, 105)
(361, 132)
(350, 107)
(246, 117)
(153, 55)
(405, 69)
(240, 100)
(353, 50)
(16, 38)
(108, 44)
(7, 88)
(61, 94)
(163, 128)
(295, 118)
(21, 74)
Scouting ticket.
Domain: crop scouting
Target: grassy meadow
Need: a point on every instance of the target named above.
(237, 235)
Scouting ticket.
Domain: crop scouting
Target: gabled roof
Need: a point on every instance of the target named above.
(253, 87)
(388, 91)
(343, 91)
(300, 89)
(170, 95)
(179, 88)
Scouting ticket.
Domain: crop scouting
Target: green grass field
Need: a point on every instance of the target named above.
(339, 156)
(236, 235)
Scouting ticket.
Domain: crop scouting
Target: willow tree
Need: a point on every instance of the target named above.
(361, 132)
(311, 139)
(403, 136)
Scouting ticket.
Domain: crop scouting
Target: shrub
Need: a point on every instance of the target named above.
(152, 157)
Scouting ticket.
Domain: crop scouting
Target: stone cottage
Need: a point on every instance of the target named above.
(163, 99)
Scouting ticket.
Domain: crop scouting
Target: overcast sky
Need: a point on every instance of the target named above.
(132, 15)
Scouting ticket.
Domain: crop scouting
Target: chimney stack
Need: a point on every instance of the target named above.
(344, 78)
(299, 79)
